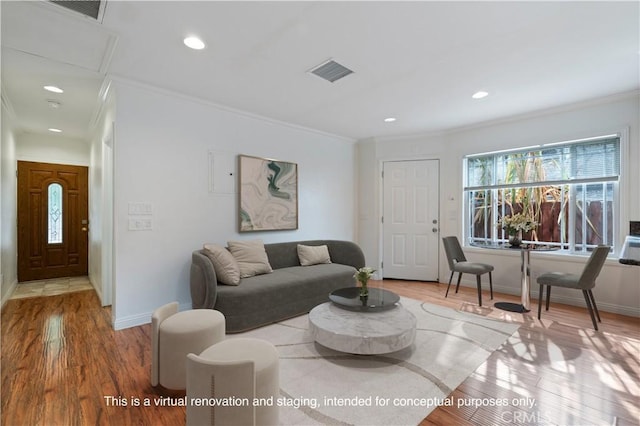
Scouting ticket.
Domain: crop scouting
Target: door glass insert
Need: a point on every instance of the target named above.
(55, 213)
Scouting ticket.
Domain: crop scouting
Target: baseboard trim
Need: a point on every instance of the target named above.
(142, 318)
(630, 311)
(9, 293)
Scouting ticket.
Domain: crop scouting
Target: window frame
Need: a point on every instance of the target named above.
(619, 201)
(59, 223)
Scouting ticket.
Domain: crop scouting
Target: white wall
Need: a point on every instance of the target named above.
(161, 147)
(8, 208)
(95, 214)
(618, 288)
(101, 203)
(52, 148)
(368, 175)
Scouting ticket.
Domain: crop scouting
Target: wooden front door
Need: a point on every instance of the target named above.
(52, 220)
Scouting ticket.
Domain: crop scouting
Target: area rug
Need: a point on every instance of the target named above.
(320, 386)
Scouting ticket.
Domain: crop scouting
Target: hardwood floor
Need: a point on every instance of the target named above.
(63, 364)
(569, 373)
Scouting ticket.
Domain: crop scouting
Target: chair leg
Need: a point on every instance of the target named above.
(595, 308)
(449, 286)
(587, 299)
(458, 285)
(479, 290)
(491, 285)
(546, 308)
(540, 299)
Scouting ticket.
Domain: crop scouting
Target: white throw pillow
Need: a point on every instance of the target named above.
(225, 265)
(251, 257)
(313, 255)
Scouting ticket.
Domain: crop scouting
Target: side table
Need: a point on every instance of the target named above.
(525, 275)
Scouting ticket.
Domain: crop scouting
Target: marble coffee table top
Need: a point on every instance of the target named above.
(376, 300)
(364, 333)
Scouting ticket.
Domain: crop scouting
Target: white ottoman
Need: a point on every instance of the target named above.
(239, 370)
(177, 334)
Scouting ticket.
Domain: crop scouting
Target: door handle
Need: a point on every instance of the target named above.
(434, 230)
(84, 229)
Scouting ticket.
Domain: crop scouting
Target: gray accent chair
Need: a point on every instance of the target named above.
(458, 263)
(585, 282)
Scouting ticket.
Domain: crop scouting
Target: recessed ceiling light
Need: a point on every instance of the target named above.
(55, 130)
(389, 119)
(194, 43)
(480, 94)
(53, 89)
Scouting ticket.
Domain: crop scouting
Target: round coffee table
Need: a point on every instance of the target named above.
(376, 300)
(362, 333)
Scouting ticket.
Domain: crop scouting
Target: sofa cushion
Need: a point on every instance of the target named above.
(313, 255)
(224, 264)
(285, 293)
(251, 257)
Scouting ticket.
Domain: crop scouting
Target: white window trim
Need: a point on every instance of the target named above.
(621, 200)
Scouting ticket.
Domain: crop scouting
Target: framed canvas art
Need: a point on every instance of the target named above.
(268, 194)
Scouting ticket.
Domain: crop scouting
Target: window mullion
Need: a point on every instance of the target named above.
(469, 203)
(487, 230)
(583, 223)
(605, 214)
(545, 183)
(564, 205)
(494, 215)
(571, 226)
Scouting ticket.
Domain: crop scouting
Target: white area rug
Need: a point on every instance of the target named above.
(320, 386)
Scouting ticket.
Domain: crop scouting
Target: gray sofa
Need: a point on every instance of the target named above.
(288, 291)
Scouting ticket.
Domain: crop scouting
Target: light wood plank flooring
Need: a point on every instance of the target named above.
(572, 374)
(61, 358)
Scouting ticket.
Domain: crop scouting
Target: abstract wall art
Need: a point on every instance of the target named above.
(268, 194)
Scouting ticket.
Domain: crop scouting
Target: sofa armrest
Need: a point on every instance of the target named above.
(203, 282)
(346, 253)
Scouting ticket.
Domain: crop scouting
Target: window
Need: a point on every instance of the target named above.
(54, 214)
(569, 189)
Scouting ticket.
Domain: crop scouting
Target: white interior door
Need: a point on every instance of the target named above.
(410, 220)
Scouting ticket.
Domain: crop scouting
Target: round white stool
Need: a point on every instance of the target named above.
(183, 333)
(233, 368)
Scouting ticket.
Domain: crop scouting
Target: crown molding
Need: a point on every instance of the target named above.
(510, 119)
(6, 102)
(550, 111)
(168, 92)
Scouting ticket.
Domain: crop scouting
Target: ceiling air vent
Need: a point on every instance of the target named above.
(90, 8)
(331, 71)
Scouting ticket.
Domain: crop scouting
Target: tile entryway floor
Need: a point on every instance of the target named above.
(51, 287)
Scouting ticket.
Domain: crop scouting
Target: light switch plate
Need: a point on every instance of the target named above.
(140, 208)
(140, 224)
